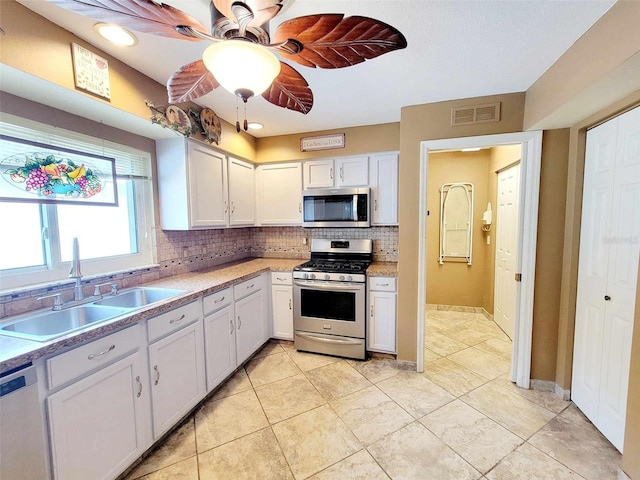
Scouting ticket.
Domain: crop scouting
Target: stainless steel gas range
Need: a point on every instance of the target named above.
(329, 298)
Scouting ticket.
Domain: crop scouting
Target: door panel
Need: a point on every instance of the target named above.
(506, 241)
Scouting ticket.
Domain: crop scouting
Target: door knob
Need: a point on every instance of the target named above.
(607, 298)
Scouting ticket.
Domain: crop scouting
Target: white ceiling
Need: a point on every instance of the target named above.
(456, 49)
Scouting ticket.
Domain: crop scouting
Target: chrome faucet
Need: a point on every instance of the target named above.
(75, 272)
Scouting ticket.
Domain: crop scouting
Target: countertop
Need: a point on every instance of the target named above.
(15, 352)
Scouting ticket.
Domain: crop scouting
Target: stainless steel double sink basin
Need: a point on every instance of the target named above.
(45, 325)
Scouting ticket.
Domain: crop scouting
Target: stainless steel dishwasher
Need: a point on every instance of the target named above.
(22, 451)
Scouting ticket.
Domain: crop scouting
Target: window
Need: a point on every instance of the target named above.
(36, 239)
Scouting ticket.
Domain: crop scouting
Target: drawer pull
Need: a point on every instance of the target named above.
(219, 300)
(250, 286)
(139, 386)
(176, 320)
(104, 352)
(155, 367)
(280, 279)
(382, 285)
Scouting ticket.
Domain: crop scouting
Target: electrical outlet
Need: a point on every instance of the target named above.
(304, 240)
(488, 239)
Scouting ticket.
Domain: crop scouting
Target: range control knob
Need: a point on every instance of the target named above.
(312, 276)
(305, 275)
(327, 276)
(341, 278)
(349, 278)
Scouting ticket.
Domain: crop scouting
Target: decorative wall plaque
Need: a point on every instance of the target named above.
(322, 142)
(90, 71)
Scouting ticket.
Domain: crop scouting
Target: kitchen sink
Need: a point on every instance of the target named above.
(45, 325)
(139, 297)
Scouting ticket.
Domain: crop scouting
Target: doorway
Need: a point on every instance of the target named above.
(531, 143)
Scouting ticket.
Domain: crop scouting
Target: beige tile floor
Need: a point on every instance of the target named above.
(294, 415)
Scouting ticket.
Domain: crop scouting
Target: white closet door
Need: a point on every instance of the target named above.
(608, 268)
(621, 280)
(506, 243)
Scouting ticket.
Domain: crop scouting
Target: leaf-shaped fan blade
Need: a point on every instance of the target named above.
(332, 41)
(190, 82)
(290, 90)
(263, 10)
(139, 15)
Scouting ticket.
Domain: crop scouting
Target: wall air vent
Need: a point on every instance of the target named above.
(473, 114)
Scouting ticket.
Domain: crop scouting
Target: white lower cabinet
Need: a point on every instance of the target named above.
(219, 337)
(282, 305)
(177, 376)
(249, 325)
(381, 321)
(98, 425)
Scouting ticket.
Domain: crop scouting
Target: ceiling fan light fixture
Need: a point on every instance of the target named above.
(116, 34)
(255, 125)
(243, 68)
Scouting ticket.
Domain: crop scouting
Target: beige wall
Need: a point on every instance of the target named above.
(455, 282)
(33, 45)
(499, 159)
(429, 122)
(371, 138)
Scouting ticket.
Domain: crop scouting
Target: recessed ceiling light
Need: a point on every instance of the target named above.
(116, 34)
(474, 149)
(255, 125)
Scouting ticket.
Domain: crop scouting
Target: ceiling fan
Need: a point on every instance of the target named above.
(239, 29)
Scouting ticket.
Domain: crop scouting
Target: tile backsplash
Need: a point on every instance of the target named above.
(185, 251)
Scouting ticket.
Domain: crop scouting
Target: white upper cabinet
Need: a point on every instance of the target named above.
(279, 194)
(241, 193)
(352, 171)
(339, 172)
(318, 173)
(384, 189)
(200, 188)
(192, 185)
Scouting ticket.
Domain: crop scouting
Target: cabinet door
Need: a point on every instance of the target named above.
(352, 171)
(241, 193)
(282, 304)
(207, 187)
(384, 189)
(382, 322)
(176, 366)
(279, 194)
(318, 173)
(249, 325)
(99, 425)
(220, 346)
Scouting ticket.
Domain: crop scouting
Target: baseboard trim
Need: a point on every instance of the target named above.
(562, 393)
(543, 385)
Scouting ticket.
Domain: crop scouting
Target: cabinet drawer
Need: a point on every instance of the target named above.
(382, 284)
(281, 278)
(217, 300)
(173, 320)
(81, 360)
(247, 287)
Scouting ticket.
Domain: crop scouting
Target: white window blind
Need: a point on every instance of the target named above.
(130, 163)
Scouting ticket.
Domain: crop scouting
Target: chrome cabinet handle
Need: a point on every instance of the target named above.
(99, 354)
(233, 207)
(155, 367)
(220, 300)
(290, 304)
(375, 204)
(250, 286)
(176, 320)
(331, 173)
(230, 327)
(226, 207)
(372, 309)
(382, 285)
(139, 386)
(239, 322)
(280, 279)
(341, 173)
(299, 207)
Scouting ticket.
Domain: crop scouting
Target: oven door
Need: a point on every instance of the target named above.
(332, 308)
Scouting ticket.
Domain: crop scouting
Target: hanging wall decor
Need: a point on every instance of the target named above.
(90, 71)
(40, 173)
(201, 123)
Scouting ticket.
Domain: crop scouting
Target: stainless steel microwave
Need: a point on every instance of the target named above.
(336, 207)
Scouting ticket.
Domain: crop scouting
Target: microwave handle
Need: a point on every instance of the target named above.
(355, 208)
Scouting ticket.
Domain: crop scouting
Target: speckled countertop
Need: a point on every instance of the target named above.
(15, 352)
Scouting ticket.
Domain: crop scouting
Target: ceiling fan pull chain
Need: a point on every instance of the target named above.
(246, 124)
(237, 120)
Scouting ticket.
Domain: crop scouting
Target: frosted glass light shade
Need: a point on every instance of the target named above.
(241, 66)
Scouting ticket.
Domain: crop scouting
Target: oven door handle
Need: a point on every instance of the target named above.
(321, 285)
(341, 341)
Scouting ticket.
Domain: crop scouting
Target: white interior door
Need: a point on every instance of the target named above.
(607, 273)
(506, 244)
